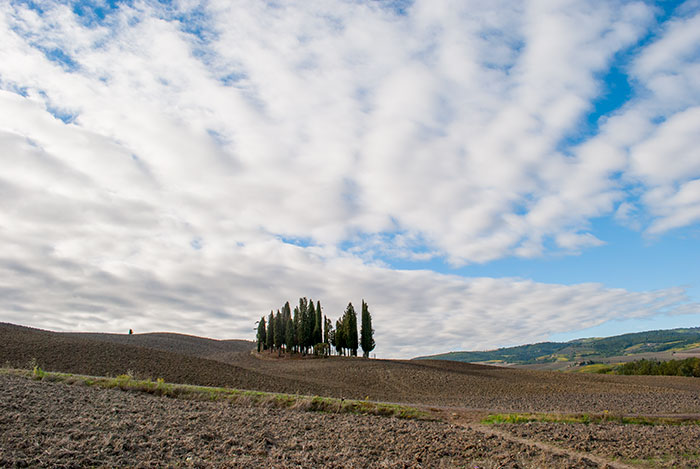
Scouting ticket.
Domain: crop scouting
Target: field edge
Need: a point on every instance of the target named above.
(126, 382)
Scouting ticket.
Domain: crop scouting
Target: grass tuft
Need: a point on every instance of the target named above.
(605, 417)
(38, 373)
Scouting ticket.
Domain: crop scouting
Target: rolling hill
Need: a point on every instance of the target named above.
(171, 342)
(660, 344)
(194, 360)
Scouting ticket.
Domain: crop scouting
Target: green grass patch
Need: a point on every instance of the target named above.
(127, 382)
(661, 460)
(686, 347)
(38, 373)
(601, 368)
(585, 418)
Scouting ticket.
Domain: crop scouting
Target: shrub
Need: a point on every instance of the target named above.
(38, 372)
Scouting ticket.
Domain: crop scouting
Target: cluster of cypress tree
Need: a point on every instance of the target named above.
(307, 330)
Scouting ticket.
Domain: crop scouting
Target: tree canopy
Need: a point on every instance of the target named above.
(307, 330)
(366, 331)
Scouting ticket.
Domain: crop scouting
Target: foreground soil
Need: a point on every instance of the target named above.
(45, 424)
(654, 446)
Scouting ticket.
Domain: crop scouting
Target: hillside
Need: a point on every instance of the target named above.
(661, 344)
(427, 382)
(171, 342)
(106, 355)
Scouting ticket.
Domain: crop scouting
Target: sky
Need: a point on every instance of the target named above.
(483, 174)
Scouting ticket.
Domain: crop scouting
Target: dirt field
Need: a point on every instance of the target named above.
(657, 446)
(484, 387)
(439, 383)
(53, 424)
(45, 424)
(86, 354)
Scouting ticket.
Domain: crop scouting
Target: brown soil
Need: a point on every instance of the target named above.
(52, 424)
(170, 342)
(657, 446)
(44, 424)
(431, 383)
(485, 387)
(86, 354)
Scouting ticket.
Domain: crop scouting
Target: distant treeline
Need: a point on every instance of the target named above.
(307, 330)
(686, 367)
(649, 341)
(583, 349)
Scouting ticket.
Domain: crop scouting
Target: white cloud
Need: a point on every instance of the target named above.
(658, 128)
(439, 125)
(148, 174)
(221, 289)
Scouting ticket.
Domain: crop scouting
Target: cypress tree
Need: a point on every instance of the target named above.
(262, 334)
(304, 326)
(309, 324)
(366, 331)
(270, 331)
(351, 329)
(316, 333)
(327, 334)
(297, 329)
(279, 332)
(289, 331)
(319, 323)
(331, 340)
(339, 337)
(326, 330)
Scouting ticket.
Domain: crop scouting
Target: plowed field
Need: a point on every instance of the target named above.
(57, 425)
(438, 383)
(47, 424)
(656, 446)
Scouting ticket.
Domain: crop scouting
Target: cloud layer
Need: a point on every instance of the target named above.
(190, 167)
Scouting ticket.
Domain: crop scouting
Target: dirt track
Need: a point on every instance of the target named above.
(47, 424)
(659, 445)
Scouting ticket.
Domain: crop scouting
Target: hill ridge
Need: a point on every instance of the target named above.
(660, 344)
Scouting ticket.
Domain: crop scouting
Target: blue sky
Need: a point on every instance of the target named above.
(628, 260)
(482, 175)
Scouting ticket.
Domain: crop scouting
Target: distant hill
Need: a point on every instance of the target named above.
(110, 355)
(661, 344)
(171, 342)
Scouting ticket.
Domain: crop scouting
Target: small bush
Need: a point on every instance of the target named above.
(38, 373)
(123, 381)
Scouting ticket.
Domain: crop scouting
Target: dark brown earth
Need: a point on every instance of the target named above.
(438, 383)
(87, 354)
(658, 445)
(45, 424)
(50, 424)
(170, 342)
